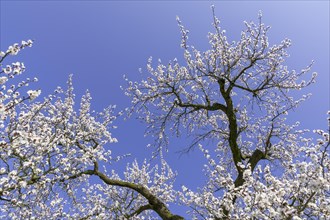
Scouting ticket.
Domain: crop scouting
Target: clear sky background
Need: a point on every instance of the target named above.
(100, 41)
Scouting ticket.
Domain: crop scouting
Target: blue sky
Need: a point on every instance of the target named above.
(100, 41)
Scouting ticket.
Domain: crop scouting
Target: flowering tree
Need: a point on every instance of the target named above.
(233, 99)
(56, 162)
(50, 154)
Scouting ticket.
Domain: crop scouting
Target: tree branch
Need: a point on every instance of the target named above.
(155, 204)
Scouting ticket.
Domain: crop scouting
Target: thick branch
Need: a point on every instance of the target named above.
(233, 128)
(214, 107)
(255, 158)
(253, 161)
(155, 204)
(140, 210)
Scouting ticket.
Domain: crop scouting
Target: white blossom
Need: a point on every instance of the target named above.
(33, 94)
(3, 79)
